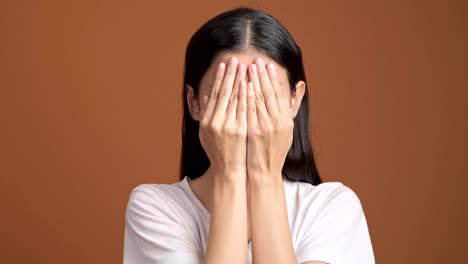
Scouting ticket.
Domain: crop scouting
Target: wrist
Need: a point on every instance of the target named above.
(229, 189)
(228, 176)
(266, 190)
(265, 180)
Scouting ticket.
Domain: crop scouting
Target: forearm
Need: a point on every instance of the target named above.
(271, 236)
(227, 242)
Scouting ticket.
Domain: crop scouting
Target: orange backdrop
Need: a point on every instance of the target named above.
(90, 107)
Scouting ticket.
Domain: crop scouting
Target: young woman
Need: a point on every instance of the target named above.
(249, 189)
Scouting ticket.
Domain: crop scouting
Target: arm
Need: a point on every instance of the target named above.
(269, 138)
(227, 242)
(223, 132)
(270, 233)
(271, 237)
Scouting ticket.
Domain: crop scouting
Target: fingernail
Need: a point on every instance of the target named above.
(222, 65)
(243, 84)
(271, 66)
(260, 62)
(233, 60)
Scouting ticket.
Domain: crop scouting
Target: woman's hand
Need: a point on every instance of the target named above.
(223, 135)
(223, 124)
(270, 125)
(269, 138)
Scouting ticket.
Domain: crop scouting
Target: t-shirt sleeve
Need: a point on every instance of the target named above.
(339, 234)
(152, 234)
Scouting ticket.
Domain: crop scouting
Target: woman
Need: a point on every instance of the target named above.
(249, 189)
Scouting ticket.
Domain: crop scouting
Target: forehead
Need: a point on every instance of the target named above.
(248, 57)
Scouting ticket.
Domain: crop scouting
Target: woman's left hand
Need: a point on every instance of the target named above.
(269, 125)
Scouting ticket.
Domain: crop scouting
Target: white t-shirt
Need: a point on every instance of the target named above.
(166, 223)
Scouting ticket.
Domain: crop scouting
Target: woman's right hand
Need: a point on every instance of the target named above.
(223, 122)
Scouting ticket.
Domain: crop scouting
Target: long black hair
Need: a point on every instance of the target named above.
(237, 30)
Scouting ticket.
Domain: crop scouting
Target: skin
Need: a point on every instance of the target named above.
(246, 110)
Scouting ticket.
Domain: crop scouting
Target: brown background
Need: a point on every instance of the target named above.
(90, 107)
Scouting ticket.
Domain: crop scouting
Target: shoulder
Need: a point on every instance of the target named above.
(150, 193)
(148, 200)
(324, 193)
(146, 193)
(329, 224)
(326, 200)
(155, 231)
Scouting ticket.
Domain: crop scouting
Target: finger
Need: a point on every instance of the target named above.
(204, 102)
(252, 119)
(211, 102)
(241, 72)
(282, 107)
(287, 105)
(242, 104)
(259, 99)
(234, 100)
(267, 89)
(226, 88)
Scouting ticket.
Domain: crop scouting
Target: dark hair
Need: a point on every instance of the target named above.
(237, 30)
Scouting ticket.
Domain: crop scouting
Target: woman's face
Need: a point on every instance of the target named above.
(246, 57)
